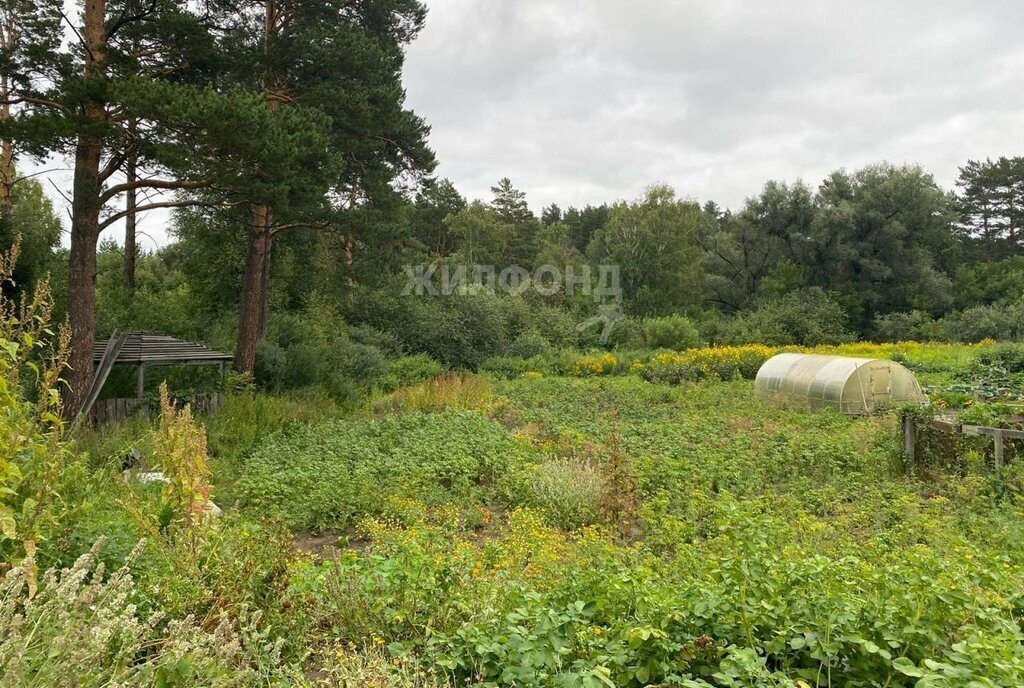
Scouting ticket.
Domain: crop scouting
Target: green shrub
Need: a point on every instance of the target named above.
(808, 317)
(999, 322)
(569, 491)
(385, 342)
(528, 345)
(903, 327)
(410, 370)
(671, 332)
(628, 333)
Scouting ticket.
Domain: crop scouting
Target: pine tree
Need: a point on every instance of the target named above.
(991, 203)
(343, 60)
(130, 87)
(551, 214)
(510, 207)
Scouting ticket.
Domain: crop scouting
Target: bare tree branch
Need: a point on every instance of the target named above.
(168, 184)
(155, 206)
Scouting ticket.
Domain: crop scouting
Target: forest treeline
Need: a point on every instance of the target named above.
(301, 187)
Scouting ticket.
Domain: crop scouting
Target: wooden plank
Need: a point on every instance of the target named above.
(908, 441)
(991, 432)
(110, 354)
(140, 381)
(945, 426)
(999, 449)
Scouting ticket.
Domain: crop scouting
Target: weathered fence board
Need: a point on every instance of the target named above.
(116, 410)
(998, 435)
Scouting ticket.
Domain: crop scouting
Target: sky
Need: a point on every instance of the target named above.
(591, 101)
(586, 101)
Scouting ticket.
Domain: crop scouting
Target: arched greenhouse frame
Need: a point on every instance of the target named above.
(853, 386)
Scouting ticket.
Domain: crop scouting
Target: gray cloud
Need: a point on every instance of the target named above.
(586, 101)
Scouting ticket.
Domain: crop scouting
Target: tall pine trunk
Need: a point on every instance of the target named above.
(251, 305)
(254, 304)
(268, 246)
(130, 250)
(6, 155)
(85, 219)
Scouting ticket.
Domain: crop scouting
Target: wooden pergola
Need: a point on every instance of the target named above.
(144, 350)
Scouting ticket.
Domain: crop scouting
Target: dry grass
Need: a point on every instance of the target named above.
(450, 391)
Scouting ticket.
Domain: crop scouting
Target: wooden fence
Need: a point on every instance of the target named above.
(116, 410)
(998, 435)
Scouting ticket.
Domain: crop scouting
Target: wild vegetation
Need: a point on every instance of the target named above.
(567, 481)
(639, 518)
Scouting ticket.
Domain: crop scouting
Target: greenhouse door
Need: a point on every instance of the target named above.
(880, 387)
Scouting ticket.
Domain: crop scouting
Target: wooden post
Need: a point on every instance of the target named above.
(140, 381)
(998, 436)
(908, 442)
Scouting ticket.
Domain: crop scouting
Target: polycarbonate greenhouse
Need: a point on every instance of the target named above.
(848, 385)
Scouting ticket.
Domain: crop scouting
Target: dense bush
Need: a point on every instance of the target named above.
(314, 349)
(999, 322)
(529, 345)
(628, 333)
(410, 370)
(905, 327)
(671, 332)
(807, 317)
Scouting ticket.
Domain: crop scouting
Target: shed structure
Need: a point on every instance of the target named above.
(853, 386)
(143, 350)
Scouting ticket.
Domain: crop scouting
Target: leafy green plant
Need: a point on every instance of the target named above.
(33, 453)
(82, 628)
(328, 475)
(410, 370)
(671, 332)
(179, 447)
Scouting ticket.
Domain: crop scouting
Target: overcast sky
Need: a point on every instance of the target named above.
(586, 101)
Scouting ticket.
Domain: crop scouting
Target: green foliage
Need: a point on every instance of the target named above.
(83, 628)
(508, 367)
(410, 370)
(314, 349)
(179, 447)
(671, 332)
(35, 227)
(1001, 322)
(903, 327)
(33, 455)
(808, 317)
(653, 241)
(481, 234)
(328, 475)
(569, 491)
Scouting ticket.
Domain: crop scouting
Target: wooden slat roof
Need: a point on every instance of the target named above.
(146, 347)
